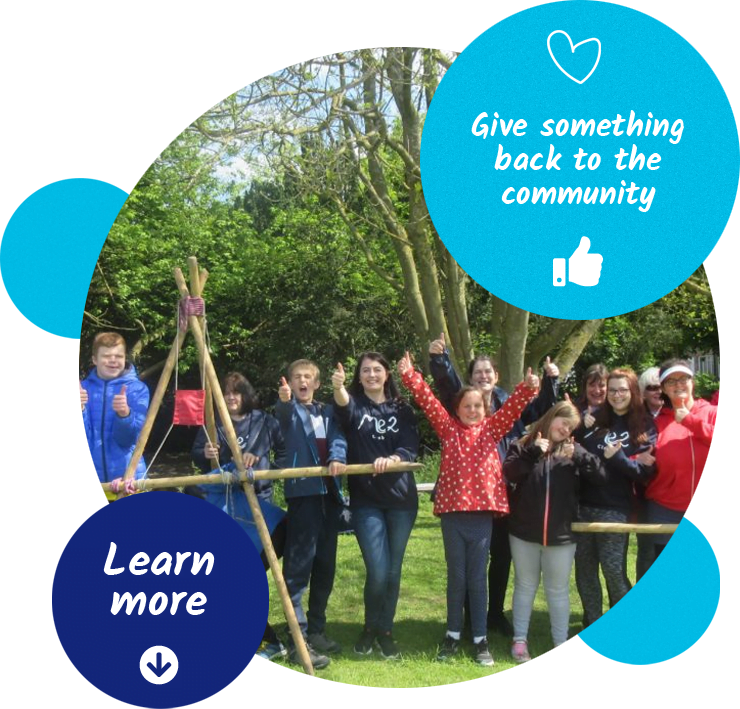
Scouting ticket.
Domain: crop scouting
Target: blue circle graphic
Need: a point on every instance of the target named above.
(580, 159)
(197, 603)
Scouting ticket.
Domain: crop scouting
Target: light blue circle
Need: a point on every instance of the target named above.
(643, 66)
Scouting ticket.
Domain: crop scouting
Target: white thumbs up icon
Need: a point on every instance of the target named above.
(584, 269)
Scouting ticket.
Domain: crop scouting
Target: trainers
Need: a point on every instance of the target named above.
(364, 645)
(321, 643)
(318, 660)
(483, 654)
(388, 648)
(270, 651)
(520, 652)
(501, 624)
(448, 649)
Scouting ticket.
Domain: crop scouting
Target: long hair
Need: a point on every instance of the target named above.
(563, 409)
(390, 389)
(636, 413)
(596, 372)
(239, 384)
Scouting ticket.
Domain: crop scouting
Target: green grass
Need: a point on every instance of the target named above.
(420, 619)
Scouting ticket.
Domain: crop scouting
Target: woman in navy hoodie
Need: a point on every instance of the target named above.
(380, 429)
(623, 436)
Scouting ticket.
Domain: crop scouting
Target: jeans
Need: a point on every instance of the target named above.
(310, 556)
(554, 564)
(657, 514)
(467, 541)
(382, 536)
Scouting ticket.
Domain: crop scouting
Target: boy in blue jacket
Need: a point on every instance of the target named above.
(312, 438)
(114, 406)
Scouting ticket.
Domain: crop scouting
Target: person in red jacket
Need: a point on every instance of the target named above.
(685, 429)
(470, 491)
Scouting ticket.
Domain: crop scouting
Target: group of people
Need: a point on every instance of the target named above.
(516, 471)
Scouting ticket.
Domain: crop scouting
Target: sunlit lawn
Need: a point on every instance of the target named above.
(420, 620)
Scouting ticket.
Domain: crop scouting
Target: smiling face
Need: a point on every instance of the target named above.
(373, 376)
(303, 383)
(596, 392)
(561, 429)
(483, 376)
(110, 361)
(471, 409)
(653, 396)
(679, 387)
(619, 396)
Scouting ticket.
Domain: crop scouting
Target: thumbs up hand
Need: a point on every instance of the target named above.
(405, 364)
(532, 380)
(551, 369)
(584, 268)
(120, 403)
(284, 390)
(542, 443)
(83, 397)
(438, 347)
(339, 377)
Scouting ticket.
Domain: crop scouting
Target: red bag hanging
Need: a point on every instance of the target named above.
(189, 407)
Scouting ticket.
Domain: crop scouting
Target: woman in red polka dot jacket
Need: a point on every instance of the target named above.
(470, 491)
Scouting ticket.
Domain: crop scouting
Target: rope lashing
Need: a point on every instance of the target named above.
(128, 486)
(190, 306)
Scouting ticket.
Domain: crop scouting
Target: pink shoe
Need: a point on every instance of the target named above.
(519, 652)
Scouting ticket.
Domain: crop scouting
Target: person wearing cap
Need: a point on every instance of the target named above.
(685, 429)
(652, 396)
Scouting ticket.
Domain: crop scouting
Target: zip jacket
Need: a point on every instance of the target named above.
(302, 450)
(544, 499)
(112, 438)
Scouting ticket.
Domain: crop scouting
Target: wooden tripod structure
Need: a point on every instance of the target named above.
(214, 395)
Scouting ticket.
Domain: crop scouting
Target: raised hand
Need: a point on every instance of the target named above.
(339, 377)
(611, 449)
(284, 390)
(405, 364)
(680, 412)
(438, 347)
(646, 457)
(83, 397)
(588, 417)
(532, 380)
(120, 403)
(568, 448)
(551, 369)
(542, 443)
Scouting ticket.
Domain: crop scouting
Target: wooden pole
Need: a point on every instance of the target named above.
(197, 281)
(623, 527)
(281, 474)
(259, 520)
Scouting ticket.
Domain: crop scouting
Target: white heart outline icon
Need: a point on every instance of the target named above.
(573, 51)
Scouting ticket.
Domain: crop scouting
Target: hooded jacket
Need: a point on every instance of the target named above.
(680, 454)
(112, 438)
(378, 431)
(544, 499)
(470, 478)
